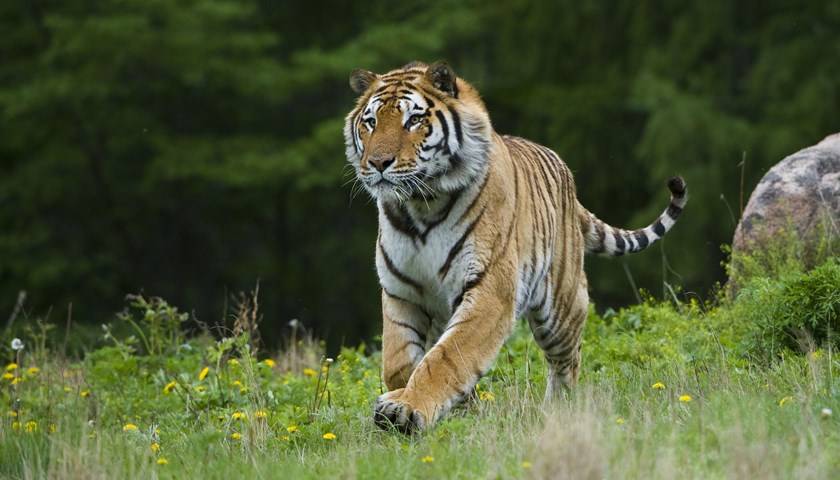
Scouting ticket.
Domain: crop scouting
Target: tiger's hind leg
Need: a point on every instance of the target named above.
(558, 332)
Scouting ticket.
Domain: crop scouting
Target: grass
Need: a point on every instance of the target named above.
(733, 398)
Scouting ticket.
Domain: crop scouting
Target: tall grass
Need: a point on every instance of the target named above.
(668, 390)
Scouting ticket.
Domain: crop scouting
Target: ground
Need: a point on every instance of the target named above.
(668, 389)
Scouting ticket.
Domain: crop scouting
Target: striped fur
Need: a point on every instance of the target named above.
(475, 230)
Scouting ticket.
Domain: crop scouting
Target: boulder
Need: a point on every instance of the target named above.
(799, 196)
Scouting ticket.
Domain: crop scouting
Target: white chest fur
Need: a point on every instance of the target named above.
(418, 257)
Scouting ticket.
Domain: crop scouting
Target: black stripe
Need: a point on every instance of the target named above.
(658, 228)
(444, 126)
(417, 306)
(674, 211)
(400, 276)
(641, 239)
(407, 326)
(456, 121)
(476, 281)
(446, 209)
(619, 241)
(444, 269)
(475, 199)
(401, 221)
(601, 232)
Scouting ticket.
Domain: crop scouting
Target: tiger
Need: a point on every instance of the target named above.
(476, 230)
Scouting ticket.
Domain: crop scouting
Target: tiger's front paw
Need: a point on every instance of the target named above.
(392, 410)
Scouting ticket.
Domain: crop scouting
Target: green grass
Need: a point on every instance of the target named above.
(756, 406)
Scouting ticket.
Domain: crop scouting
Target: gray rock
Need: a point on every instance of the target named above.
(801, 192)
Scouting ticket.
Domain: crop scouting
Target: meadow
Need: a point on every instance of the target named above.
(742, 386)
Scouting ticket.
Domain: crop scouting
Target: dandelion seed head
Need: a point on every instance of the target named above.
(17, 344)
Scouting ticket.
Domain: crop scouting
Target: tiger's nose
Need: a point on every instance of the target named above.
(382, 163)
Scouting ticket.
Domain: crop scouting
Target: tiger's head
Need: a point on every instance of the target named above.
(416, 131)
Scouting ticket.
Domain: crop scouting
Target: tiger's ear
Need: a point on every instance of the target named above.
(443, 78)
(360, 80)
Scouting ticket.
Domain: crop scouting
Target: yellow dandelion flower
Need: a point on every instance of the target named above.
(310, 372)
(155, 447)
(233, 362)
(619, 421)
(260, 414)
(486, 396)
(84, 393)
(238, 416)
(269, 363)
(203, 373)
(169, 387)
(129, 427)
(328, 436)
(12, 413)
(17, 380)
(292, 428)
(31, 426)
(658, 386)
(236, 436)
(685, 398)
(285, 438)
(427, 459)
(15, 426)
(11, 366)
(162, 461)
(8, 376)
(32, 371)
(526, 465)
(785, 400)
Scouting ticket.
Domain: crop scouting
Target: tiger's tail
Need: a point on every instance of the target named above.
(604, 239)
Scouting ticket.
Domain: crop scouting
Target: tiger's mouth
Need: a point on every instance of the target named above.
(399, 188)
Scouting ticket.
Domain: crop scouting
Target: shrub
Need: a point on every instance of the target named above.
(796, 312)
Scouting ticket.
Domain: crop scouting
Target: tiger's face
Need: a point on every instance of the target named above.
(416, 132)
